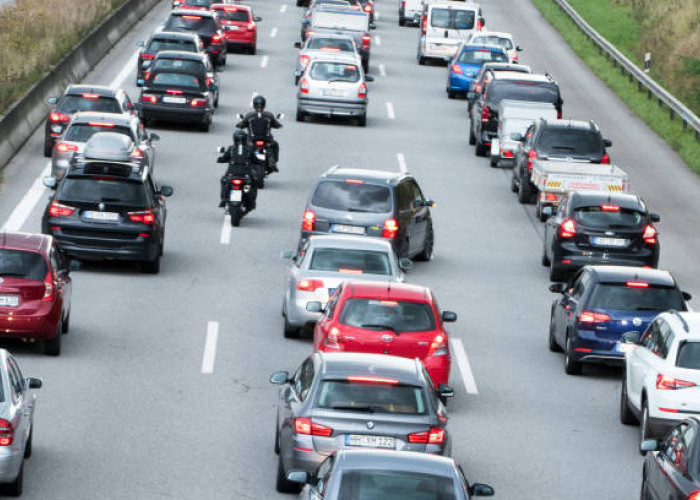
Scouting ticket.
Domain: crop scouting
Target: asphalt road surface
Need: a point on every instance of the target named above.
(162, 387)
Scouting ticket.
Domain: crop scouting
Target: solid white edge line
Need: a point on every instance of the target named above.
(210, 347)
(402, 163)
(119, 79)
(225, 237)
(273, 32)
(283, 8)
(382, 70)
(464, 368)
(25, 206)
(390, 111)
(263, 63)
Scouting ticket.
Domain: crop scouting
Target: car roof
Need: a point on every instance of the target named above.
(409, 461)
(25, 241)
(98, 116)
(498, 34)
(180, 54)
(569, 124)
(109, 146)
(622, 274)
(340, 365)
(454, 5)
(480, 46)
(174, 34)
(591, 198)
(231, 7)
(376, 176)
(194, 13)
(389, 291)
(348, 241)
(500, 67)
(515, 75)
(687, 324)
(339, 57)
(100, 90)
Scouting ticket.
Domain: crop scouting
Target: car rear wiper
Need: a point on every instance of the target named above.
(357, 407)
(362, 210)
(565, 148)
(620, 226)
(380, 327)
(113, 200)
(338, 80)
(648, 309)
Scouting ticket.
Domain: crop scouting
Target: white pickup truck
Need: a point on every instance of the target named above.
(555, 178)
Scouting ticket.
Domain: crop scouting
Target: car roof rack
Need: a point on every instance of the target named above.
(682, 320)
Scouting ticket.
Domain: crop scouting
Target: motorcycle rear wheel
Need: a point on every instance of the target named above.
(236, 215)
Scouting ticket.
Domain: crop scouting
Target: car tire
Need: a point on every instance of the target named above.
(402, 248)
(253, 50)
(65, 324)
(644, 495)
(14, 489)
(284, 486)
(52, 347)
(626, 415)
(206, 124)
(479, 148)
(524, 191)
(426, 254)
(513, 184)
(301, 116)
(571, 367)
(48, 147)
(365, 66)
(545, 260)
(277, 436)
(290, 331)
(493, 161)
(151, 266)
(553, 346)
(421, 60)
(645, 431)
(472, 136)
(451, 94)
(362, 121)
(402, 23)
(216, 102)
(28, 445)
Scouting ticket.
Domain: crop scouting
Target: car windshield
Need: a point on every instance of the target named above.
(186, 65)
(159, 45)
(229, 14)
(570, 142)
(22, 264)
(481, 56)
(395, 315)
(378, 484)
(506, 43)
(74, 103)
(606, 217)
(175, 80)
(82, 132)
(452, 19)
(102, 189)
(352, 197)
(335, 72)
(522, 91)
(330, 44)
(374, 397)
(688, 355)
(342, 260)
(620, 297)
(201, 24)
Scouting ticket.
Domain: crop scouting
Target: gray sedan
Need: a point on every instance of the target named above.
(320, 45)
(322, 262)
(338, 401)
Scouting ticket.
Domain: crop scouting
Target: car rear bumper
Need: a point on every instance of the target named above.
(40, 325)
(101, 248)
(296, 312)
(459, 83)
(236, 38)
(571, 260)
(175, 114)
(591, 349)
(332, 107)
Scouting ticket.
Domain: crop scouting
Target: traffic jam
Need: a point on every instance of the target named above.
(366, 414)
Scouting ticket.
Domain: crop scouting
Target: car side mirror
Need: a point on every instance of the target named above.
(314, 307)
(686, 296)
(140, 82)
(154, 137)
(517, 136)
(239, 116)
(369, 78)
(557, 288)
(655, 217)
(630, 337)
(519, 48)
(287, 254)
(33, 383)
(297, 45)
(221, 149)
(52, 101)
(297, 74)
(50, 182)
(649, 445)
(445, 391)
(257, 19)
(279, 378)
(471, 95)
(607, 143)
(372, 26)
(547, 211)
(429, 203)
(280, 116)
(481, 490)
(405, 264)
(298, 476)
(166, 191)
(449, 316)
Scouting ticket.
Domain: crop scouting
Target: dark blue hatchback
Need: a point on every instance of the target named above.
(600, 303)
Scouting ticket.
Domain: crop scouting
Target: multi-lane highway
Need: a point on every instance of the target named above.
(162, 390)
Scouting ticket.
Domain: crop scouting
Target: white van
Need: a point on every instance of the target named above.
(444, 26)
(410, 12)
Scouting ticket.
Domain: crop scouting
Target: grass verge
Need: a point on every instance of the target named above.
(657, 118)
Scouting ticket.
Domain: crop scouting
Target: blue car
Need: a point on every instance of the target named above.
(600, 303)
(467, 62)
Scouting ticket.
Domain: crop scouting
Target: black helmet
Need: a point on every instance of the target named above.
(239, 136)
(259, 103)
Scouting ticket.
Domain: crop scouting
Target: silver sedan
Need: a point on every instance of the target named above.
(320, 45)
(322, 262)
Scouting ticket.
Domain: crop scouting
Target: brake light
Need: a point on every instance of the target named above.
(403, 4)
(605, 159)
(668, 383)
(147, 56)
(593, 317)
(207, 80)
(307, 427)
(216, 39)
(610, 208)
(144, 216)
(354, 181)
(91, 96)
(365, 41)
(304, 86)
(304, 60)
(362, 91)
(56, 116)
(368, 7)
(559, 115)
(567, 229)
(48, 287)
(637, 284)
(309, 285)
(438, 347)
(7, 432)
(507, 153)
(237, 182)
(308, 221)
(390, 229)
(649, 235)
(259, 143)
(485, 114)
(56, 209)
(63, 147)
(101, 124)
(436, 435)
(251, 26)
(424, 25)
(148, 98)
(550, 197)
(310, 33)
(456, 68)
(137, 153)
(531, 157)
(478, 24)
(350, 270)
(694, 496)
(174, 92)
(363, 379)
(192, 17)
(198, 102)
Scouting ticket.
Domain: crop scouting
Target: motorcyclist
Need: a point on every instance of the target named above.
(238, 158)
(259, 103)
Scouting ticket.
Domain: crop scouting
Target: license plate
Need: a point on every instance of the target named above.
(174, 100)
(9, 300)
(232, 28)
(369, 441)
(622, 347)
(236, 195)
(101, 216)
(332, 93)
(342, 228)
(610, 242)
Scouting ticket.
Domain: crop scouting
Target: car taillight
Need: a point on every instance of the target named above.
(63, 147)
(694, 495)
(362, 91)
(456, 68)
(390, 229)
(91, 96)
(649, 235)
(310, 33)
(308, 285)
(605, 159)
(439, 346)
(207, 80)
(48, 287)
(637, 284)
(308, 221)
(148, 56)
(259, 143)
(365, 41)
(148, 98)
(559, 115)
(196, 103)
(403, 4)
(531, 157)
(137, 153)
(304, 60)
(424, 25)
(368, 7)
(216, 39)
(333, 339)
(436, 435)
(668, 383)
(507, 153)
(7, 432)
(590, 317)
(485, 114)
(56, 209)
(478, 24)
(567, 229)
(56, 116)
(237, 182)
(250, 26)
(308, 427)
(304, 86)
(143, 216)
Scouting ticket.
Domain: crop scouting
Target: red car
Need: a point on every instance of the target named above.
(193, 4)
(35, 289)
(394, 318)
(239, 25)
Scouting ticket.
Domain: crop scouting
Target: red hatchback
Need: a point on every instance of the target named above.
(35, 289)
(239, 25)
(394, 318)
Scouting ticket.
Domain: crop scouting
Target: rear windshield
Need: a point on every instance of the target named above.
(570, 142)
(103, 190)
(689, 355)
(620, 297)
(523, 91)
(452, 19)
(506, 43)
(158, 45)
(481, 56)
(234, 15)
(603, 218)
(22, 264)
(190, 23)
(82, 132)
(372, 397)
(377, 484)
(350, 261)
(198, 3)
(350, 197)
(394, 315)
(335, 72)
(73, 103)
(186, 65)
(317, 43)
(175, 80)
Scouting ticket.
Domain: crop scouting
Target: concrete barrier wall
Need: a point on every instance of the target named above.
(29, 112)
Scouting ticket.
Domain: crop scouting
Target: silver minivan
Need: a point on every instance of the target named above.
(444, 26)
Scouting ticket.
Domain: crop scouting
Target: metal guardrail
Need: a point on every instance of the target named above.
(634, 73)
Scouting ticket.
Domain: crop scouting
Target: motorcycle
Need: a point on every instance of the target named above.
(258, 142)
(239, 200)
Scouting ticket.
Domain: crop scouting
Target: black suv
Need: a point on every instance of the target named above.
(108, 210)
(166, 40)
(578, 140)
(506, 85)
(485, 74)
(207, 25)
(197, 64)
(81, 98)
(373, 203)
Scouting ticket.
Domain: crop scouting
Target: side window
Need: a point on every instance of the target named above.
(645, 341)
(151, 188)
(304, 378)
(15, 385)
(332, 303)
(686, 447)
(416, 197)
(463, 483)
(573, 287)
(143, 136)
(18, 373)
(54, 259)
(666, 339)
(677, 446)
(403, 196)
(584, 283)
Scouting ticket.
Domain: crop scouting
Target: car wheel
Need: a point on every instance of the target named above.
(28, 446)
(277, 436)
(571, 367)
(451, 94)
(472, 136)
(284, 486)
(48, 147)
(545, 260)
(644, 495)
(52, 347)
(253, 50)
(493, 161)
(554, 272)
(427, 253)
(14, 489)
(290, 331)
(402, 249)
(626, 415)
(480, 148)
(513, 184)
(645, 431)
(362, 121)
(365, 66)
(553, 346)
(524, 191)
(65, 324)
(205, 125)
(301, 116)
(216, 102)
(421, 60)
(401, 21)
(151, 266)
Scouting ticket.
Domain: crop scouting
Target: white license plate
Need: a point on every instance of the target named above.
(232, 28)
(101, 216)
(342, 228)
(369, 441)
(610, 242)
(236, 195)
(174, 100)
(9, 300)
(332, 93)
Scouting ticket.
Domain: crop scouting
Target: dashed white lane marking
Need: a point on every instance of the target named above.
(265, 60)
(210, 347)
(402, 163)
(382, 70)
(464, 368)
(225, 237)
(128, 68)
(377, 15)
(377, 40)
(283, 8)
(273, 32)
(390, 111)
